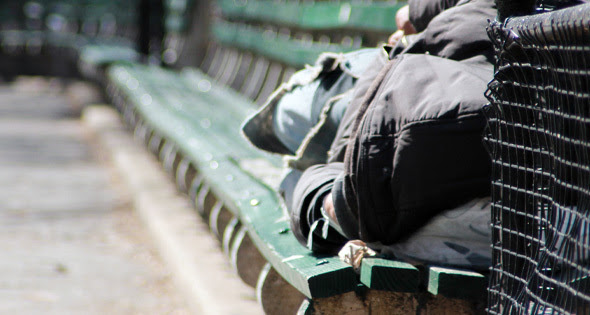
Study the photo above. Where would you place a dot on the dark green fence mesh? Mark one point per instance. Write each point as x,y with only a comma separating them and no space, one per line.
539,139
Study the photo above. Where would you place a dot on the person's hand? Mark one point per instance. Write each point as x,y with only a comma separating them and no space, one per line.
404,26
395,37
329,207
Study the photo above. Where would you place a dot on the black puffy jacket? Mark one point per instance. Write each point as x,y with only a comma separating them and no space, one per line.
415,140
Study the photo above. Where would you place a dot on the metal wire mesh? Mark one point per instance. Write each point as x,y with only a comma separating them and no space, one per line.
551,5
539,139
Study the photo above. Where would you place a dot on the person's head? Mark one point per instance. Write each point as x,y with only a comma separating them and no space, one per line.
404,26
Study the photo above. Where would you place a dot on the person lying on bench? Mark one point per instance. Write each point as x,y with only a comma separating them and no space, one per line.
407,156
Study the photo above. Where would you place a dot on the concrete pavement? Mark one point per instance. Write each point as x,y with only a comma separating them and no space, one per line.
72,235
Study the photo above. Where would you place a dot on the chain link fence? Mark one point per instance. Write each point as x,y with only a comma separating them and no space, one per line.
539,139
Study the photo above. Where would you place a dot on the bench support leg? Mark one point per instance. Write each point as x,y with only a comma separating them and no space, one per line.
219,219
155,143
229,235
275,294
246,258
182,174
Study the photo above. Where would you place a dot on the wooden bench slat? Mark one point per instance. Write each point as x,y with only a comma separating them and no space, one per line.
276,47
198,103
96,54
317,15
389,275
257,205
367,17
260,209
200,81
193,116
217,139
456,283
155,114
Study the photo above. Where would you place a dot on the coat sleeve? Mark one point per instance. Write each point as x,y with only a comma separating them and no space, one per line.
315,184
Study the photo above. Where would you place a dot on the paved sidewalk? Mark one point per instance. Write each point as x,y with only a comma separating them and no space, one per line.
70,241
200,269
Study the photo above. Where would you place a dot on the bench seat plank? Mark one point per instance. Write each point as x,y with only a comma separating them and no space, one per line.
201,113
389,275
456,283
256,204
239,193
98,55
261,211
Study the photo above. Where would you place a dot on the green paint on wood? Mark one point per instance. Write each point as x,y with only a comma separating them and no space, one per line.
316,15
456,283
389,275
154,94
274,46
107,54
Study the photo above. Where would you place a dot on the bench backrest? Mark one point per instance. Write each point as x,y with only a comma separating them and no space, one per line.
253,46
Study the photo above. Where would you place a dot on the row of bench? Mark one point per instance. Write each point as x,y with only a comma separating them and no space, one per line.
183,119
52,37
191,121
191,118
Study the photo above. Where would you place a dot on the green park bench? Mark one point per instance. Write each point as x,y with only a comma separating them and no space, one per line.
55,37
191,120
73,38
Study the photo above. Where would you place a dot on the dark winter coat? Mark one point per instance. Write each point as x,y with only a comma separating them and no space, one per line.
411,139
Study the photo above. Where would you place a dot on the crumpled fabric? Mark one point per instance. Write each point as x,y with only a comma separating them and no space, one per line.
459,237
353,252
304,106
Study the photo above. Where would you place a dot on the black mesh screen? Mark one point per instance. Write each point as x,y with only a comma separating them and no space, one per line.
551,5
539,139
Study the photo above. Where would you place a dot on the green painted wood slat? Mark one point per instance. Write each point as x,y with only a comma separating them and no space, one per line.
294,52
456,283
389,275
190,116
260,210
316,15
257,205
